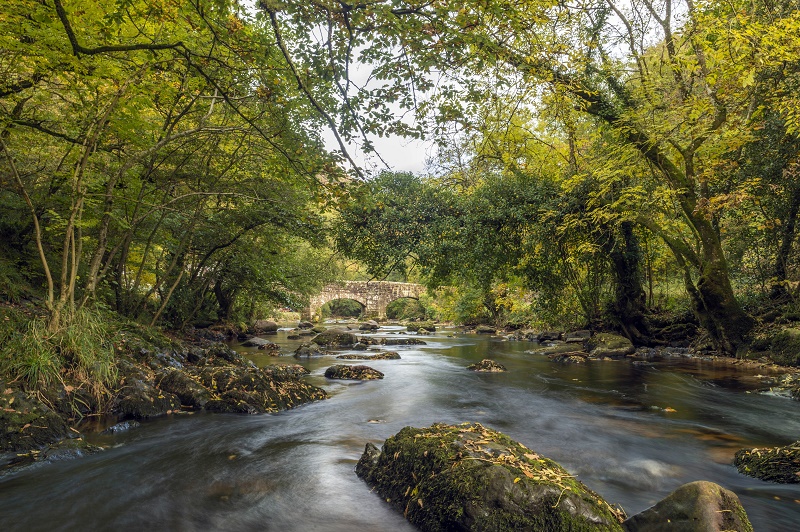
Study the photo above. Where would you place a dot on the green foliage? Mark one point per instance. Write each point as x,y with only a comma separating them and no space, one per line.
81,351
405,309
341,308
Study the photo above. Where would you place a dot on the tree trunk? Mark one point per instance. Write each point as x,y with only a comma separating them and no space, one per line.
629,305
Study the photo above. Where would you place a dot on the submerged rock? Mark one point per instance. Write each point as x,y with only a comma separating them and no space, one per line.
468,477
123,426
698,506
569,358
776,464
357,373
487,365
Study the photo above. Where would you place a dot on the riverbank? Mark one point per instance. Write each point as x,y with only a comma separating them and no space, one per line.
156,375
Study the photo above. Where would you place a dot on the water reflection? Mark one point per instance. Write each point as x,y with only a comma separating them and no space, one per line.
632,433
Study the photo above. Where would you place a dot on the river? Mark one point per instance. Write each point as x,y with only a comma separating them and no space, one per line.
610,423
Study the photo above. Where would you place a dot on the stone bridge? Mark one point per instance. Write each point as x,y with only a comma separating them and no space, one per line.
374,296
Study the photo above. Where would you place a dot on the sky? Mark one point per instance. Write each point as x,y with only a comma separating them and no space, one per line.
402,155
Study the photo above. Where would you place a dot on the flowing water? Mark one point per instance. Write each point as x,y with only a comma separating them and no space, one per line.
610,423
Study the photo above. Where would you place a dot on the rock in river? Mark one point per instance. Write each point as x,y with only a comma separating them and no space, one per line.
488,366
695,507
777,464
468,477
358,373
335,338
610,345
386,355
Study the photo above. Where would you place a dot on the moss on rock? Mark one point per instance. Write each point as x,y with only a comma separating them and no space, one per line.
776,464
610,345
487,366
785,347
696,506
468,477
359,373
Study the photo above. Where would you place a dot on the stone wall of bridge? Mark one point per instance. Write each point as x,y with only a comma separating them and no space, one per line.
374,296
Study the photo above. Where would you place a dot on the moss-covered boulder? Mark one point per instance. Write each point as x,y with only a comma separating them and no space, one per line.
356,373
487,366
695,507
485,329
468,477
286,371
255,390
776,464
424,326
185,385
785,347
335,338
610,345
265,327
309,349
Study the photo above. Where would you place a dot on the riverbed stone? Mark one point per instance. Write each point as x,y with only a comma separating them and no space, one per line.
141,400
262,344
385,355
577,337
309,349
695,507
265,327
305,325
469,477
549,336
286,371
610,345
185,385
400,341
335,338
358,373
485,329
572,357
370,325
773,464
27,424
487,366
424,326
255,390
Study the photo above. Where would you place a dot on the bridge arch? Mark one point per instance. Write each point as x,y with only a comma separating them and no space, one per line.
375,296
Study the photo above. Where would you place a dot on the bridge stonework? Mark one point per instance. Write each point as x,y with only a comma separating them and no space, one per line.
375,296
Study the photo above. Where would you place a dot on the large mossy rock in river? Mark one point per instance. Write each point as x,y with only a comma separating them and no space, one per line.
335,338
468,477
356,373
695,507
777,464
610,345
